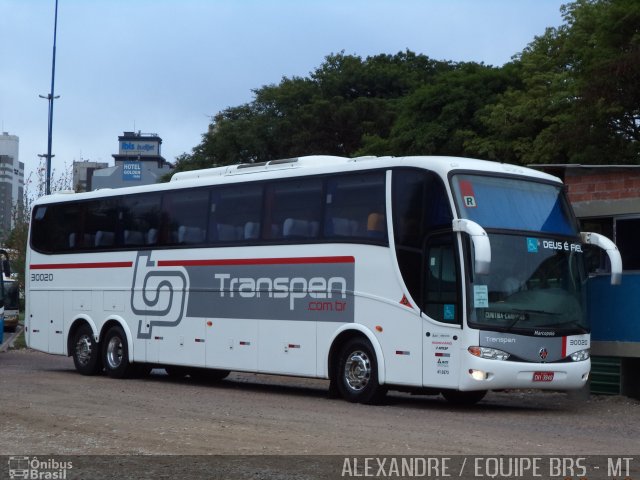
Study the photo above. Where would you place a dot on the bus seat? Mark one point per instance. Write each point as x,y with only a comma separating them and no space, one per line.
104,238
251,230
88,240
133,237
376,225
152,236
314,228
344,227
190,234
294,227
227,232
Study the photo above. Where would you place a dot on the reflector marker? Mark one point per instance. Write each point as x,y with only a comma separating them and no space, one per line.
402,352
405,301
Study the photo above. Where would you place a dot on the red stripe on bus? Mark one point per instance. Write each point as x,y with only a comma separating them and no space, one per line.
65,266
254,261
564,347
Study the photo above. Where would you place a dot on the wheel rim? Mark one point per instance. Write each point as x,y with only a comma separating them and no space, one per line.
114,353
357,370
83,350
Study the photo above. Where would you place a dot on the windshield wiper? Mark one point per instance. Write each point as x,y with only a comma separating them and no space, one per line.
527,310
573,323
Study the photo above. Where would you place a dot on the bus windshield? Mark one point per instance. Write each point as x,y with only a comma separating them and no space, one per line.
537,277
514,204
534,283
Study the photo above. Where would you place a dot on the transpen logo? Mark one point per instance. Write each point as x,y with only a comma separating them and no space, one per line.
314,289
282,287
159,294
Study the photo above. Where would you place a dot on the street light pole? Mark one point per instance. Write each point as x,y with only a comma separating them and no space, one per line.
51,97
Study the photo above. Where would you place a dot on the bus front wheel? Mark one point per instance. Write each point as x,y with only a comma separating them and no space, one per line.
86,352
115,354
357,373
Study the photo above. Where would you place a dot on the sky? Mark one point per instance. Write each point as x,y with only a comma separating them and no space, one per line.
168,66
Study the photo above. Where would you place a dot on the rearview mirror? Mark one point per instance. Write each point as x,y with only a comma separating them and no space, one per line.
480,242
612,251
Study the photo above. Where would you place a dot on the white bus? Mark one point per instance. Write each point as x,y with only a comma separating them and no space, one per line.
425,274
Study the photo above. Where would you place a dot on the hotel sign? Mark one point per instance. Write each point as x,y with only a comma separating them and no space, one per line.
131,171
142,148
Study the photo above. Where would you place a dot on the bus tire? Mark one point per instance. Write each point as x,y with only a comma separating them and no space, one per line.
463,399
115,354
86,352
357,373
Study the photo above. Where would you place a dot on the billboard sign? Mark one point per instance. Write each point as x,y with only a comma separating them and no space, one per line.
139,147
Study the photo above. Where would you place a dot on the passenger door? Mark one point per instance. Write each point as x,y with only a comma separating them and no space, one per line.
442,311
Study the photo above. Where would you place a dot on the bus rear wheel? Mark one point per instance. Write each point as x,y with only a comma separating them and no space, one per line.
115,354
357,373
86,352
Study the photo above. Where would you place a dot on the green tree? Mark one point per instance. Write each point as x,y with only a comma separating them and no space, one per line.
344,101
437,117
579,101
570,96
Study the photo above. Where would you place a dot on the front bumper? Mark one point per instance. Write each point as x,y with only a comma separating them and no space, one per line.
484,374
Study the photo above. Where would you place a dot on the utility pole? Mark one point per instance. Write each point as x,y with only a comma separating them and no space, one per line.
50,97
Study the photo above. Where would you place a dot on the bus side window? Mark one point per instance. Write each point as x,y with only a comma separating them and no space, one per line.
234,213
140,217
185,214
293,209
355,207
420,206
100,224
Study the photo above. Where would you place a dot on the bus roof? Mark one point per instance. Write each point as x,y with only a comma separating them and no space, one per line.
312,165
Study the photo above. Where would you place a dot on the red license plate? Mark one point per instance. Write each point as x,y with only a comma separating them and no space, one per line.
542,376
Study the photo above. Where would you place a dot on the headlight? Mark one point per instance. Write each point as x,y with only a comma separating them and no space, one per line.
490,353
580,355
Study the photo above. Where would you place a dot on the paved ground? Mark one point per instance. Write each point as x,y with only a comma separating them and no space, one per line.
46,408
